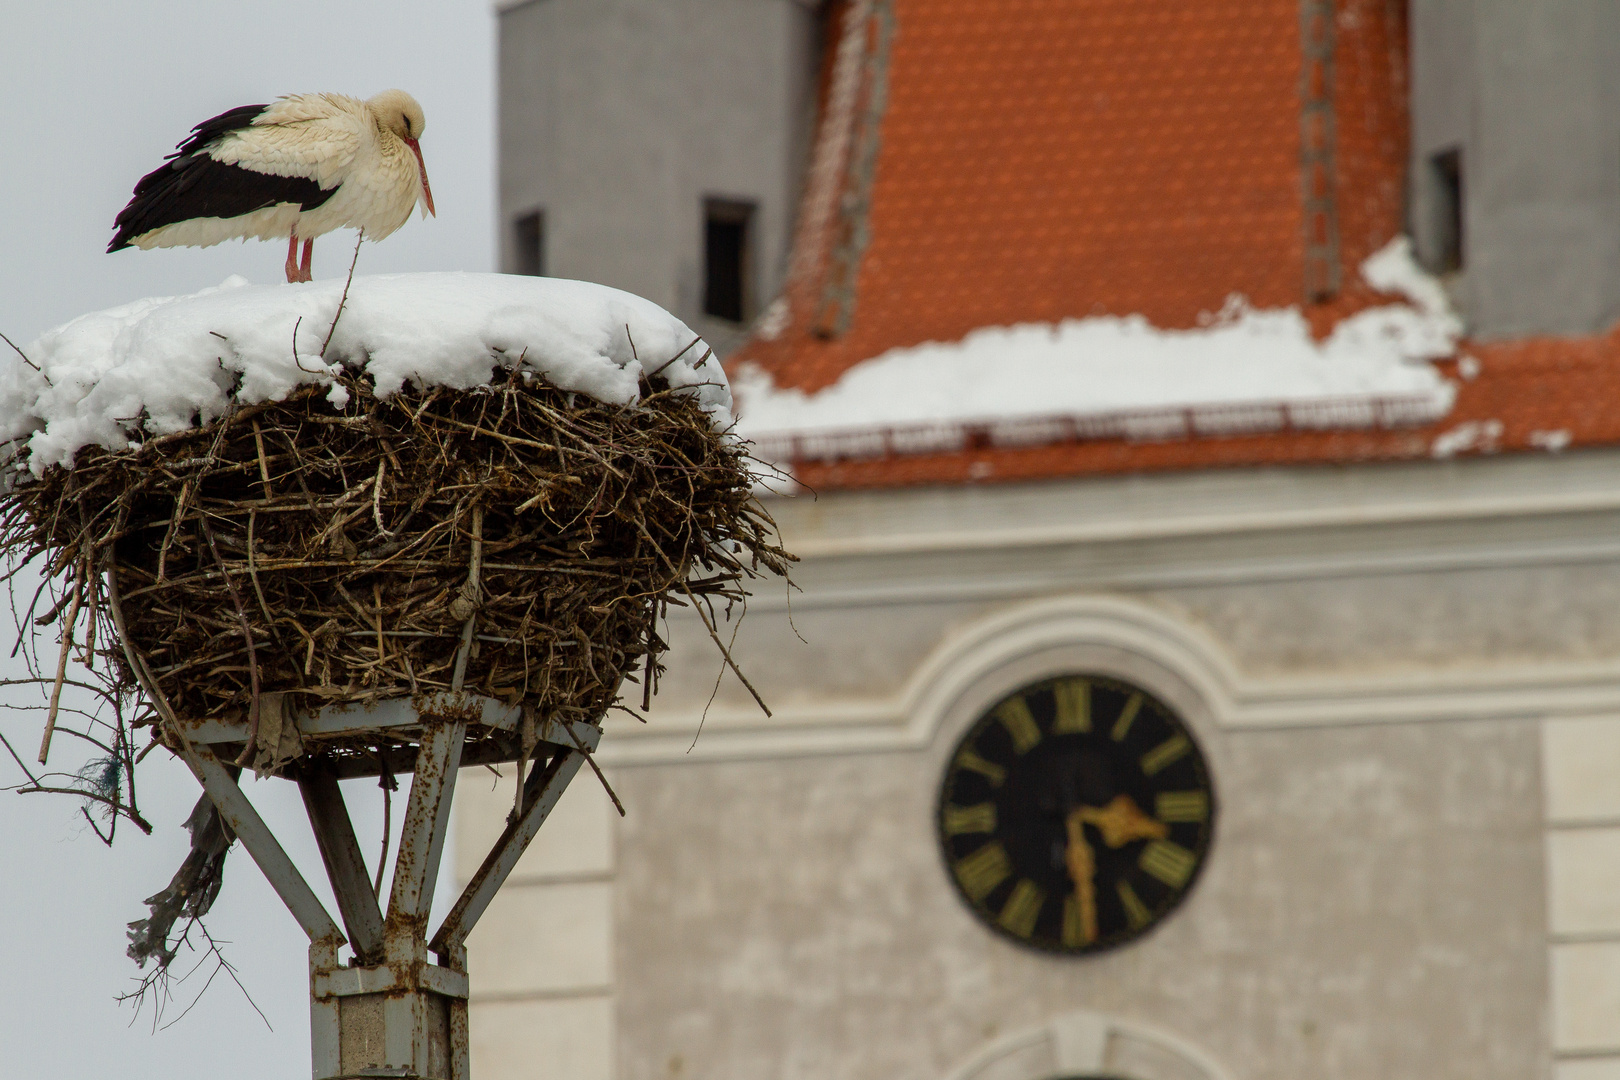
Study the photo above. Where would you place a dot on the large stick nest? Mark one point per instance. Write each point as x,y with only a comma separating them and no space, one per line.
514,541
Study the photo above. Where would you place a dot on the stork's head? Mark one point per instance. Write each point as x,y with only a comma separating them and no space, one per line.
400,114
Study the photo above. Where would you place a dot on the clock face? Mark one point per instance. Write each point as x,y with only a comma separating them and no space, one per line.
1076,814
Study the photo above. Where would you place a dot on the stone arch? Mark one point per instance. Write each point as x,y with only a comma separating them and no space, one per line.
1110,636
1084,1045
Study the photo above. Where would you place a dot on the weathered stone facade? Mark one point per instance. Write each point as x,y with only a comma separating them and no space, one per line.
1406,680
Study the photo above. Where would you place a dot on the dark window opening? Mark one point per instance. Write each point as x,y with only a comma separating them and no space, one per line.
529,244
1446,210
726,269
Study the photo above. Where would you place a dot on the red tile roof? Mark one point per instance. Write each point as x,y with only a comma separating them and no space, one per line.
1035,161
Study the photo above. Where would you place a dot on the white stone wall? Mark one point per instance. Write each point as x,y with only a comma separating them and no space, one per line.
1581,765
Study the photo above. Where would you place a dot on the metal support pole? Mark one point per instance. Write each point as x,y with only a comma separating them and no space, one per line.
417,1025
345,866
427,816
460,1022
325,1014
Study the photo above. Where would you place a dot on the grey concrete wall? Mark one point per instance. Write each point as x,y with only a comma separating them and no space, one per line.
618,117
1372,909
1528,92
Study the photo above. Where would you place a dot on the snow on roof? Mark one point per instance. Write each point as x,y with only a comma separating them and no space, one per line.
167,363
1107,364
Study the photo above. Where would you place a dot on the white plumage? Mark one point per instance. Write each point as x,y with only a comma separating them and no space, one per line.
298,168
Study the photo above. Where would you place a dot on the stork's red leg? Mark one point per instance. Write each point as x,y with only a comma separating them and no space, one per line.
303,270
292,258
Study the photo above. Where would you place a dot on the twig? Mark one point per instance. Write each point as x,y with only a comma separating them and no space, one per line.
725,652
22,354
590,759
253,576
300,364
376,499
15,757
386,781
231,971
140,822
719,677
382,644
676,357
174,523
247,635
80,582
652,659
473,596
680,581
344,298
264,465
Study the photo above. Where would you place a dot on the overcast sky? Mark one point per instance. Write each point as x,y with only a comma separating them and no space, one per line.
93,93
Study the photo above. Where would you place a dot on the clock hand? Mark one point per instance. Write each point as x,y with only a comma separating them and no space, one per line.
1120,822
1082,862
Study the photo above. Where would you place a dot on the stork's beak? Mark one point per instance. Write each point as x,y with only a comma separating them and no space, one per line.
427,191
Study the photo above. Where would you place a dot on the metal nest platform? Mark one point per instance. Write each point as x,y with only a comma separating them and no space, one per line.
482,568
400,1008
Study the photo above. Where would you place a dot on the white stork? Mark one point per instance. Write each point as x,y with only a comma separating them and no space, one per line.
299,168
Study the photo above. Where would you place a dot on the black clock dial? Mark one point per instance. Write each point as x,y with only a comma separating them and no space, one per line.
1076,813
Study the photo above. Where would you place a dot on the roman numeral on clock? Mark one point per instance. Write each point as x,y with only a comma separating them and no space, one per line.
1127,717
1173,807
1166,754
1023,908
1071,699
1136,912
1015,716
983,870
1169,862
979,818
968,758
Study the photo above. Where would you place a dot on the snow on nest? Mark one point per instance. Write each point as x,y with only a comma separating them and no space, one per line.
168,363
1110,364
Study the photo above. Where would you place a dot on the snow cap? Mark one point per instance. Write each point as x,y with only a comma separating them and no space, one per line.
164,364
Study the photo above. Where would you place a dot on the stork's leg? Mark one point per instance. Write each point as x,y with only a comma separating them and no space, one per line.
303,270
292,258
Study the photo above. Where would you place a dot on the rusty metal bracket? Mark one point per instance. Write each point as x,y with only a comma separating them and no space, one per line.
261,843
427,819
351,981
389,714
345,866
541,791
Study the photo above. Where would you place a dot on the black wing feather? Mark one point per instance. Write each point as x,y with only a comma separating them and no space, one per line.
190,184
